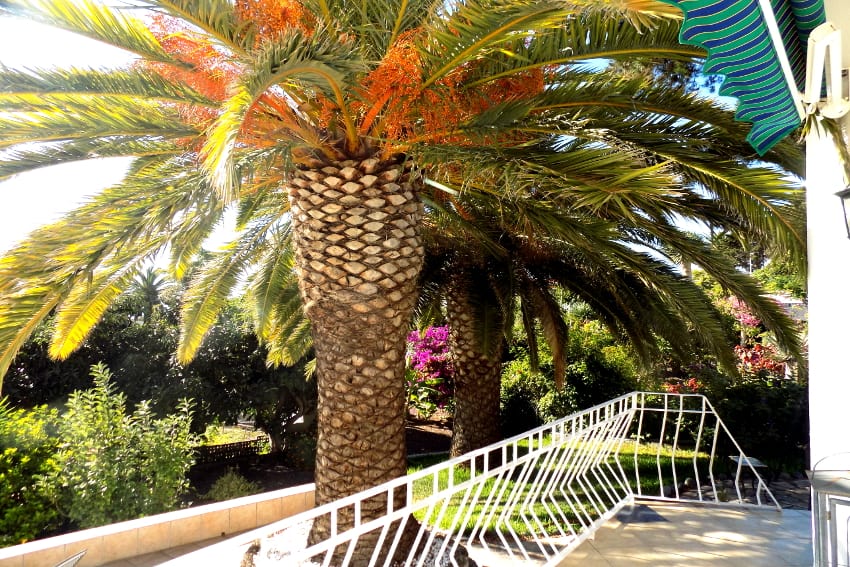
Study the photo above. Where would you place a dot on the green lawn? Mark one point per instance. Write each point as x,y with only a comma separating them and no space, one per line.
444,514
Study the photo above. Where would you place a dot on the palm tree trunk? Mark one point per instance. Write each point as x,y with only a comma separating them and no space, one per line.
358,256
477,374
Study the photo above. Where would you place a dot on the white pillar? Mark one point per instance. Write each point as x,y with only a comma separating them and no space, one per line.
829,283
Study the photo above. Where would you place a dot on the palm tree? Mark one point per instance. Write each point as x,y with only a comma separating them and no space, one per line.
324,122
482,270
149,285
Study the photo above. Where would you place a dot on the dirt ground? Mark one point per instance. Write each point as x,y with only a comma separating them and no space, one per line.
423,436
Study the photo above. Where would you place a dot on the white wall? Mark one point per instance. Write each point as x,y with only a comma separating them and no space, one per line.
829,284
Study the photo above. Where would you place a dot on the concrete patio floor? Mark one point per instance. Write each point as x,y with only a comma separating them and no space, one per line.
668,535
651,535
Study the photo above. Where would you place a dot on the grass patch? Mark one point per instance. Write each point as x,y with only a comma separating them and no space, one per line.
501,495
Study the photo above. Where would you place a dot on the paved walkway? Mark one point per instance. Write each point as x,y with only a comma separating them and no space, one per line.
699,536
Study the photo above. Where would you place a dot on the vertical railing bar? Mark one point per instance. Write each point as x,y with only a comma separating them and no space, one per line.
638,441
328,556
711,459
738,476
489,508
435,526
579,470
613,446
467,517
570,448
376,553
532,496
660,445
423,528
396,539
675,449
741,452
349,553
510,503
572,478
697,444
595,459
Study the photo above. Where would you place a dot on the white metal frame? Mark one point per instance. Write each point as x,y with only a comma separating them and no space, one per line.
824,53
533,498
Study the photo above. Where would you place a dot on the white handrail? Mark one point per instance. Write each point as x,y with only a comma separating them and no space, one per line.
533,498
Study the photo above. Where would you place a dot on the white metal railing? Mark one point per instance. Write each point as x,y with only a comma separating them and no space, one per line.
533,498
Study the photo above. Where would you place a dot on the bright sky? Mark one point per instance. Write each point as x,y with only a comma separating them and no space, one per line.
30,200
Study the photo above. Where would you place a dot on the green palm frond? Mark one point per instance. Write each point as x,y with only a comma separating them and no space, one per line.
49,87
271,288
207,293
376,24
20,160
595,37
278,311
745,288
81,120
548,312
19,317
95,21
478,28
85,305
288,344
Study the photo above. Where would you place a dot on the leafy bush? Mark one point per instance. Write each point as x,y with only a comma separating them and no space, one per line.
112,466
769,419
231,485
600,369
300,450
520,393
27,447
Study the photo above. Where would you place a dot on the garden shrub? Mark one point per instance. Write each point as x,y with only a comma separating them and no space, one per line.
112,466
521,389
598,373
769,419
27,447
300,450
231,485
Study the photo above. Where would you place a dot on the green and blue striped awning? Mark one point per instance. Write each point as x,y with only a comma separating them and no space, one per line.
736,36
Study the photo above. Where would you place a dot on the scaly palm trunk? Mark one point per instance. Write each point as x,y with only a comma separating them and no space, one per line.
477,375
358,256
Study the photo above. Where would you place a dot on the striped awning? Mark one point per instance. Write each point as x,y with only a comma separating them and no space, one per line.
737,36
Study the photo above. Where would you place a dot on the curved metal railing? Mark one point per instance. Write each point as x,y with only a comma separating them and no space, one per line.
532,498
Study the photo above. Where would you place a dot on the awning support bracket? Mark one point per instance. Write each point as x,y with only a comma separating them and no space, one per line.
824,54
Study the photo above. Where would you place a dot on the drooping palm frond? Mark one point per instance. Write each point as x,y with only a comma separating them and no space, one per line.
584,44
209,289
375,24
85,305
21,160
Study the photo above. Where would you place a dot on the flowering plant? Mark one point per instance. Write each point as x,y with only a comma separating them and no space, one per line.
428,381
759,360
741,312
678,386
